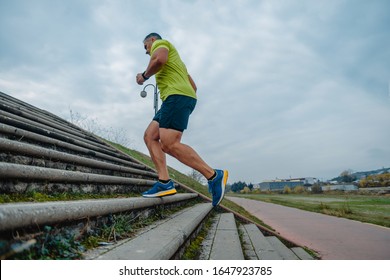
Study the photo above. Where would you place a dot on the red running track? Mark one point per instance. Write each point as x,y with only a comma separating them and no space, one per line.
331,237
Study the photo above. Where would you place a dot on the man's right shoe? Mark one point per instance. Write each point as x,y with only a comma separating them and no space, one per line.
217,186
159,189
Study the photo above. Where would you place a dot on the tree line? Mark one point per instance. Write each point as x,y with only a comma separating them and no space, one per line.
239,186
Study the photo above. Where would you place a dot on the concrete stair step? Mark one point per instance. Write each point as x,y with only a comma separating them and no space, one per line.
27,172
162,241
226,244
50,128
247,246
22,178
282,249
26,149
301,253
73,147
259,244
18,215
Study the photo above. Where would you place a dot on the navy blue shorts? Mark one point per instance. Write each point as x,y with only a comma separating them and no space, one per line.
175,112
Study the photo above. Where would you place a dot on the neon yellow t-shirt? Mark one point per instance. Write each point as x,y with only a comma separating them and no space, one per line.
173,76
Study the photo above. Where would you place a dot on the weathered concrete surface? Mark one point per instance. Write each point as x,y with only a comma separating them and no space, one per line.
161,242
333,238
16,215
263,249
226,244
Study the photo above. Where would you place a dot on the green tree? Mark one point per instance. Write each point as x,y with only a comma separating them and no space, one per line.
316,188
347,177
238,186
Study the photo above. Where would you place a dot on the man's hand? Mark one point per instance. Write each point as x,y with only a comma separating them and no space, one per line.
140,80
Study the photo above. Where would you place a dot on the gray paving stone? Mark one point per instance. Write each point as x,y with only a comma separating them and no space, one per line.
227,245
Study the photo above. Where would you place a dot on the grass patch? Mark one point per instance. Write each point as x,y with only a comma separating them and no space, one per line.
193,251
364,208
123,226
342,210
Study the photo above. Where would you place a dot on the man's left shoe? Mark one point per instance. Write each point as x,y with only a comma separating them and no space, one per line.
159,189
217,186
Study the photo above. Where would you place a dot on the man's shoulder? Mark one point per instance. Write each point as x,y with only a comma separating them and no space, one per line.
162,44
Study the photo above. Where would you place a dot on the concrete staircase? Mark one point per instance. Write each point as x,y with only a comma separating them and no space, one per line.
44,155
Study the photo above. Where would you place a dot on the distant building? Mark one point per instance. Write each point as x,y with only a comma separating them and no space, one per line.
339,187
280,184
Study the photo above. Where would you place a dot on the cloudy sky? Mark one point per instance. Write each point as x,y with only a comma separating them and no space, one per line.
285,88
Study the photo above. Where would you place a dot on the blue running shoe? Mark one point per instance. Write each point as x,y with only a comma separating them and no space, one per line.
217,186
159,189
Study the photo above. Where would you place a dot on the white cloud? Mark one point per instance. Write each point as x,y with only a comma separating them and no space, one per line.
285,88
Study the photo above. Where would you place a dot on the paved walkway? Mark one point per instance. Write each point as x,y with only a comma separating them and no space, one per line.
331,237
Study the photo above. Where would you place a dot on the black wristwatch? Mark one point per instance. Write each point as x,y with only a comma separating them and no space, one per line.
143,76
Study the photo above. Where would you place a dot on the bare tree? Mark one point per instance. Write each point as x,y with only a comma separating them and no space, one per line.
92,125
197,176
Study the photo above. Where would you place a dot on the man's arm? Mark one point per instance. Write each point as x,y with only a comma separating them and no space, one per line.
157,61
192,82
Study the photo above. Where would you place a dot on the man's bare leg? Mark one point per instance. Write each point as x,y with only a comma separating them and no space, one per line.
152,141
161,141
170,144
